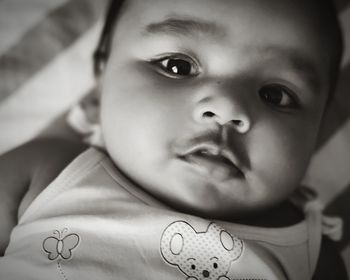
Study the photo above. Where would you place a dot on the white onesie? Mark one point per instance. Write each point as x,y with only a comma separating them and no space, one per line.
92,223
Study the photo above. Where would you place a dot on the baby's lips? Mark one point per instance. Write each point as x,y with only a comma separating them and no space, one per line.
211,155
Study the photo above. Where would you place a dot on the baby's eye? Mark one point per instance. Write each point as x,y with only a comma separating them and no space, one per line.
278,95
177,66
215,265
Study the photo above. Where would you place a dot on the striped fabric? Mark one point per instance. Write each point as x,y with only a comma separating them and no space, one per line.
45,66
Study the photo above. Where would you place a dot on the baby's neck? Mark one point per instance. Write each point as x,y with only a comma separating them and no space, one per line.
282,215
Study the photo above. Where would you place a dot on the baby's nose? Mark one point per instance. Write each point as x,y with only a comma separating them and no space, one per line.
224,111
206,273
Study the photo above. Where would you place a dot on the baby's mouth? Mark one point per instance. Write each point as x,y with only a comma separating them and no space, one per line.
212,160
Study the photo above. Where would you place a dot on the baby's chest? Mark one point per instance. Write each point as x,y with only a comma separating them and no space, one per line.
140,244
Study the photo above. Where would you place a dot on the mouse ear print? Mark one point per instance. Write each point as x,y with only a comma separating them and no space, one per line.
173,240
227,240
214,229
176,244
232,244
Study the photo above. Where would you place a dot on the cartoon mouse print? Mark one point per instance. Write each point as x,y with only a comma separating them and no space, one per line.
200,255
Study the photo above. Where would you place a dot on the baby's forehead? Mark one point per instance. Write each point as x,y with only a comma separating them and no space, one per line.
254,6
248,15
303,14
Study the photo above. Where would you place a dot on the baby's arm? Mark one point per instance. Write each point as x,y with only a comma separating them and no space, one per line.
25,172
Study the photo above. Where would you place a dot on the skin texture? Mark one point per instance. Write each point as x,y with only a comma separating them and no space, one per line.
150,115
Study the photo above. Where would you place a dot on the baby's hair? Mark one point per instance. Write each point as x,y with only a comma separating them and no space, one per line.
328,15
102,51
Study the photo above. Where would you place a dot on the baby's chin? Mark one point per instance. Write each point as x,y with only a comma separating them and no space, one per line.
232,202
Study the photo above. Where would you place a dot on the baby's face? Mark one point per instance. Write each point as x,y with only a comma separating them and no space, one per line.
214,106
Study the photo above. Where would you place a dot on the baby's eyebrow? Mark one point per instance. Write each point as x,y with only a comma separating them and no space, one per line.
299,62
182,26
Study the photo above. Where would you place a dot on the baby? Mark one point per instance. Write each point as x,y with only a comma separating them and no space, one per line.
209,113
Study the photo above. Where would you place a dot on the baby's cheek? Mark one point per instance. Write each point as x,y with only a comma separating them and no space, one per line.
274,173
279,154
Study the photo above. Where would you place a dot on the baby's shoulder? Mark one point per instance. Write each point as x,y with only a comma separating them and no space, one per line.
24,172
46,158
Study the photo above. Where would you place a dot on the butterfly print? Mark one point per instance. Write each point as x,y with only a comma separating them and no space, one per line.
60,245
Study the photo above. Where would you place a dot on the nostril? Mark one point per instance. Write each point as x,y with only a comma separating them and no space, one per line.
206,273
238,123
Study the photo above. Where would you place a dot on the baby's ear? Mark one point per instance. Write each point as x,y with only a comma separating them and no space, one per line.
84,118
232,244
90,104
